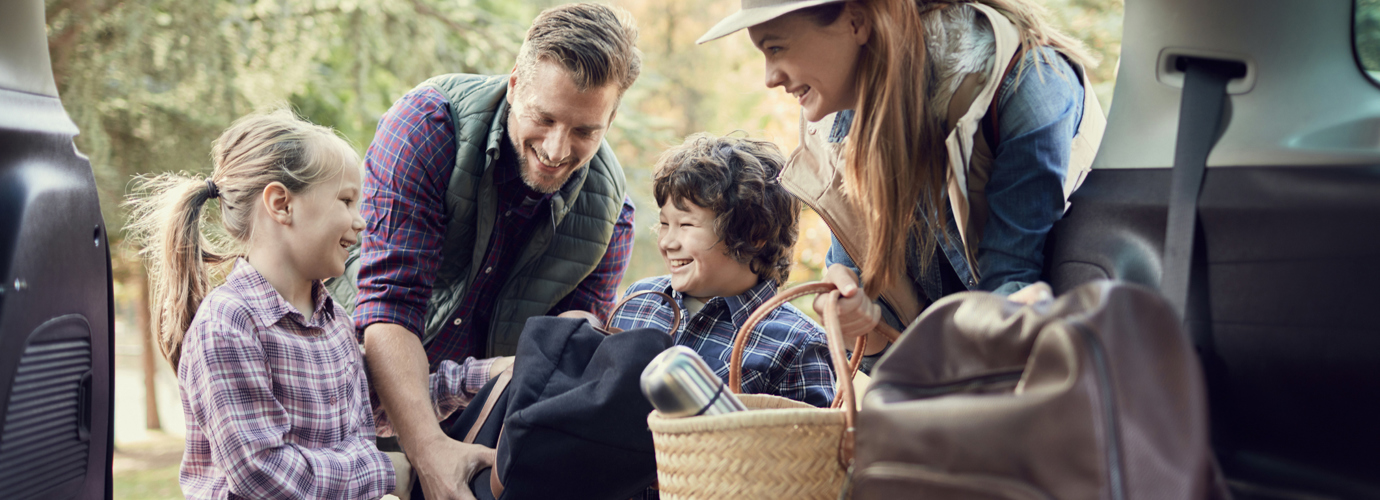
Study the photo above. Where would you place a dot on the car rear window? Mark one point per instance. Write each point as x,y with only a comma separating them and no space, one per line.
1367,31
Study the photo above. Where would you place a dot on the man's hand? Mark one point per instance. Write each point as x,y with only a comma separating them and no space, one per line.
858,315
398,368
445,467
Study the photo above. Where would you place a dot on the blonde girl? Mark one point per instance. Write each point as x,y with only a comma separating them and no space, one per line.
272,381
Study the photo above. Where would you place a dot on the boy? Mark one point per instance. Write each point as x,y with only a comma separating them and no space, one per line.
726,232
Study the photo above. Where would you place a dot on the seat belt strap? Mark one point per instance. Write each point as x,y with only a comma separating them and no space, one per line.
1200,116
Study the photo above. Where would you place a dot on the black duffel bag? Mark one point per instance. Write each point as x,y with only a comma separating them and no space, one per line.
574,419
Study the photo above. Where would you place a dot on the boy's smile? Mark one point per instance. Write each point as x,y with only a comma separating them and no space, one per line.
695,256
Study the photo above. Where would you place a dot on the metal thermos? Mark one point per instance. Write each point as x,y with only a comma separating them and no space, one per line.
679,384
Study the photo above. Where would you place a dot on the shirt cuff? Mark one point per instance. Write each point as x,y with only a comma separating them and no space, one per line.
477,374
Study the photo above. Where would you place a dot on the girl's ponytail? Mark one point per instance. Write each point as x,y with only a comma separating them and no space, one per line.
167,222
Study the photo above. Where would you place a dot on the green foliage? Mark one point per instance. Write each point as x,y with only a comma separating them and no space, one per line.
151,83
153,484
1368,34
1098,24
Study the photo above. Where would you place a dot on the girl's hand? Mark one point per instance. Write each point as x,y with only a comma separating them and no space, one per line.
858,315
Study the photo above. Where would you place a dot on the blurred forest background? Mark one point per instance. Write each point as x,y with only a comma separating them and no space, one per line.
152,82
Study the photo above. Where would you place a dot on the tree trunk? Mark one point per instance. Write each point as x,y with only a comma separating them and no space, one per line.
151,355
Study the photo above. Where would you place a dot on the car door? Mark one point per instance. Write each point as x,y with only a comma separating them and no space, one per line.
1286,281
56,356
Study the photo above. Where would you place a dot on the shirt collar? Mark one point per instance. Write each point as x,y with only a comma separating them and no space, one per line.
739,306
842,122
267,306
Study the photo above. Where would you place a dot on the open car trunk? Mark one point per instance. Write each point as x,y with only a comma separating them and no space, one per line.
1285,284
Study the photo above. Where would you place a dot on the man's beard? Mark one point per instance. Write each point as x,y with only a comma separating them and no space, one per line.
544,184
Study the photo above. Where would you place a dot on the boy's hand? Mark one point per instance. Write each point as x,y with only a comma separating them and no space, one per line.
858,315
582,314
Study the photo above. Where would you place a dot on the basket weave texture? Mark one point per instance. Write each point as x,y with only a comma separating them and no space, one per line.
778,449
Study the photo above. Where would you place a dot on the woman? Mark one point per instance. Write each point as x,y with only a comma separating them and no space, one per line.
959,129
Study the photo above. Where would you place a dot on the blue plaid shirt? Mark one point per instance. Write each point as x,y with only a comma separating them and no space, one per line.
786,355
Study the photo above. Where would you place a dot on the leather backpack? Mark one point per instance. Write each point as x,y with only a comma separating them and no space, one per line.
1098,395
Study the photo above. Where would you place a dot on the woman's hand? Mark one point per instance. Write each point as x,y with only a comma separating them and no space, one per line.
858,315
1032,293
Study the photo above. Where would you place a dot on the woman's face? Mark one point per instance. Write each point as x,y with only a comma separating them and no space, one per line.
814,63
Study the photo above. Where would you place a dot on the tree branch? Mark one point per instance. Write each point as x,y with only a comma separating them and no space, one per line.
427,10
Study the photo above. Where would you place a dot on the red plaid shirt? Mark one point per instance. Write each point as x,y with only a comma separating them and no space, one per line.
408,168
276,403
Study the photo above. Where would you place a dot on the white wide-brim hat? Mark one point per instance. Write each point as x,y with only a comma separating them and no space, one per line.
755,12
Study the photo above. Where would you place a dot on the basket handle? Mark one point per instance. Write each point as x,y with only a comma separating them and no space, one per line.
735,366
834,339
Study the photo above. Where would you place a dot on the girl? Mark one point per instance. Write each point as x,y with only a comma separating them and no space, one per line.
958,129
272,380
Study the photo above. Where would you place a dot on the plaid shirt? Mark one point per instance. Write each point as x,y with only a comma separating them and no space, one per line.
276,404
786,356
408,168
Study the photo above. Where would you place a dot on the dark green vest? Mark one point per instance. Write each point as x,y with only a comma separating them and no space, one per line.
563,249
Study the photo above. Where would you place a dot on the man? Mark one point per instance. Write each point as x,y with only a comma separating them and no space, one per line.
490,200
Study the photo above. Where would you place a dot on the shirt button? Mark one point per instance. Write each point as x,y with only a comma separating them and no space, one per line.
507,213
457,321
812,130
332,400
489,269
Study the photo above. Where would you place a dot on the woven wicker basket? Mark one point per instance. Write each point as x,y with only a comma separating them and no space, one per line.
779,448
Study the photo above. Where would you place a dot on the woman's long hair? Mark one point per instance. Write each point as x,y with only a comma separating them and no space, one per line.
167,210
896,160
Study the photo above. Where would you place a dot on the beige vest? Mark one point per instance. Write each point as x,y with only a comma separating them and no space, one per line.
815,171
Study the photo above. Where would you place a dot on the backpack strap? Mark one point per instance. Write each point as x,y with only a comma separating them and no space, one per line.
499,385
990,122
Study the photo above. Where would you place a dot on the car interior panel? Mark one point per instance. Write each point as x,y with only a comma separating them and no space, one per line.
1280,302
56,314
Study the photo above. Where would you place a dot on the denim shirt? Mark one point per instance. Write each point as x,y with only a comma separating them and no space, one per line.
1039,116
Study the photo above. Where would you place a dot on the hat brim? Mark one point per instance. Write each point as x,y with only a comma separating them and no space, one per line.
747,18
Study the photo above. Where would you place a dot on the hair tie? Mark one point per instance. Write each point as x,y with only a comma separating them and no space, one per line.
215,191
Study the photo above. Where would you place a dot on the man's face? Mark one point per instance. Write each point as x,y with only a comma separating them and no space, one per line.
554,127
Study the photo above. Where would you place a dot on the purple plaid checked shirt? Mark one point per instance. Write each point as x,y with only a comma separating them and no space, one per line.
276,403
408,168
786,356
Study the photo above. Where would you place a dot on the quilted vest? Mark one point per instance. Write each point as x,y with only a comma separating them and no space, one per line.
561,251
